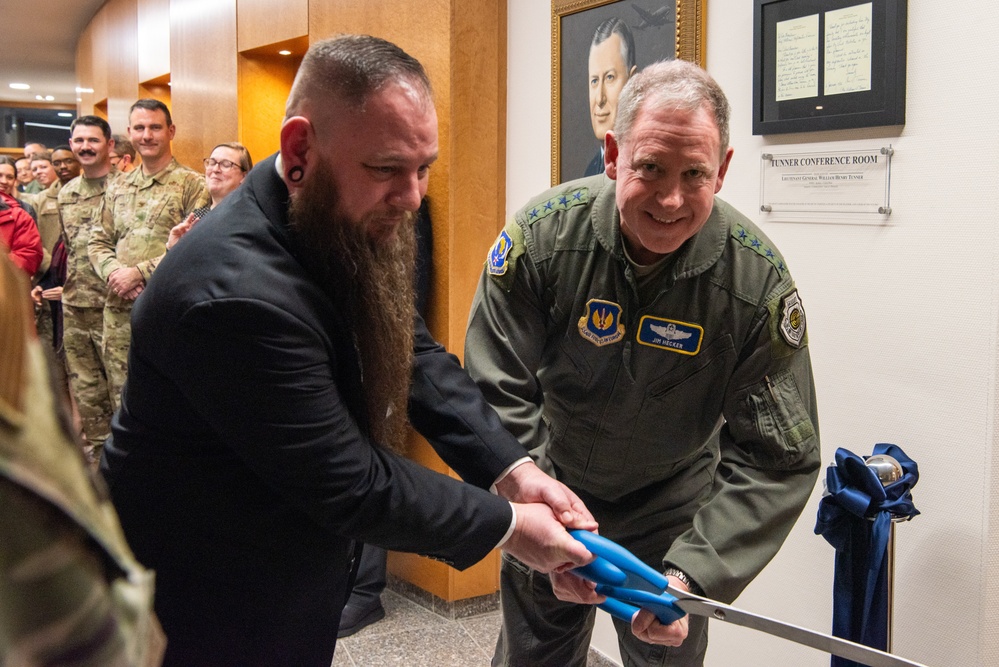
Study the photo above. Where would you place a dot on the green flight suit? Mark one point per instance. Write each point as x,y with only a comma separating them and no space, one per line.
680,406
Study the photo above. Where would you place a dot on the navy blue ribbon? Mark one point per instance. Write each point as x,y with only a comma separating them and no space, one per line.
855,517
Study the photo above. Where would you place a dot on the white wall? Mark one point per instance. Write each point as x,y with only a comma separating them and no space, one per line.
902,318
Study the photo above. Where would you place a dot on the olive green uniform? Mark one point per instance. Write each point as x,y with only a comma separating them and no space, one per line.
678,402
83,299
71,591
131,230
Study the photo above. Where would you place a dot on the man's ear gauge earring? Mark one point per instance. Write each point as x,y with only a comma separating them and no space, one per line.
295,174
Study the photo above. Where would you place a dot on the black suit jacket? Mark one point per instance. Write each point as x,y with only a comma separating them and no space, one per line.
240,462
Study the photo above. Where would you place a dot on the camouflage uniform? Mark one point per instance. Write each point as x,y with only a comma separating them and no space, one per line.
47,217
130,230
83,298
71,592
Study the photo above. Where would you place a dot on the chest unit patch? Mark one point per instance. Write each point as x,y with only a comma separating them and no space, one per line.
601,323
672,335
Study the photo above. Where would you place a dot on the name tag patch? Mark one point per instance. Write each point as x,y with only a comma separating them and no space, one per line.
673,335
601,324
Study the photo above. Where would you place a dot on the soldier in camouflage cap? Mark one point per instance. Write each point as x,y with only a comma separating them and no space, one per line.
84,292
71,591
134,220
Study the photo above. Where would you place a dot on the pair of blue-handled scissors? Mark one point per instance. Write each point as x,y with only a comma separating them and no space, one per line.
630,584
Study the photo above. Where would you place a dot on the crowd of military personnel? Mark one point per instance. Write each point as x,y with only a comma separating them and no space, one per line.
83,226
102,208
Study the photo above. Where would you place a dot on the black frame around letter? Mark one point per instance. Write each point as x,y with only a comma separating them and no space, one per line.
883,104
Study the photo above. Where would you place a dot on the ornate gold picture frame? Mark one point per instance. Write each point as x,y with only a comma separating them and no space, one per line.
585,31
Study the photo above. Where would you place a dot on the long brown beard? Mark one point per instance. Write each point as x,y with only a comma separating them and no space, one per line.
373,285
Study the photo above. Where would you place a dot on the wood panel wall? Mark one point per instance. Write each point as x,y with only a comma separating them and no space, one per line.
203,74
261,23
228,82
153,22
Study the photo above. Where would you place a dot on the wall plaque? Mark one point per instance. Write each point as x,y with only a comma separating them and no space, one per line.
827,186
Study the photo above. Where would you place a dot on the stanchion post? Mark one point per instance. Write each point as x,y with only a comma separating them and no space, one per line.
888,470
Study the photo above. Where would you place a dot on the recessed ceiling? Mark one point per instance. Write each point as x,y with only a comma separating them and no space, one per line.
39,47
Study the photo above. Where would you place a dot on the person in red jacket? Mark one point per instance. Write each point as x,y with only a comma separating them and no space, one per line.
19,235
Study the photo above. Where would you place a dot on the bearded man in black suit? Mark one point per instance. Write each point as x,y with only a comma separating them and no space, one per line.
273,367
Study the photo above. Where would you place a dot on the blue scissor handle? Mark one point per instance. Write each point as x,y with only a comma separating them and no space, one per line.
618,609
616,566
623,578
661,605
602,571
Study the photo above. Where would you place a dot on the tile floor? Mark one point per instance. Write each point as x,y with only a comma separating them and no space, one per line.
413,636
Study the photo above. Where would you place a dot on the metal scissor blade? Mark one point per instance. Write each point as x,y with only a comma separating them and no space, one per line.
699,606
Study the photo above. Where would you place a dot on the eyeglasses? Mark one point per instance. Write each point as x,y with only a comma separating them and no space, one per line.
114,160
224,165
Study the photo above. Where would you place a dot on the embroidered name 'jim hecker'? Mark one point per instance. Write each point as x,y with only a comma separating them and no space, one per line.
671,335
601,323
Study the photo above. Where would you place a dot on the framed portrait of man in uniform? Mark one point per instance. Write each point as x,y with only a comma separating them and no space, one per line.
596,46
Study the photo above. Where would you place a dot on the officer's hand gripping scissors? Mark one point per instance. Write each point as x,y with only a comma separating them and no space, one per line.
630,584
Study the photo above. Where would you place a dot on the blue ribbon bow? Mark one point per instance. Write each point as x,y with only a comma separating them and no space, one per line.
855,518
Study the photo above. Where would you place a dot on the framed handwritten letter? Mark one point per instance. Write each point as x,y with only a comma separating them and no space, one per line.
596,46
828,64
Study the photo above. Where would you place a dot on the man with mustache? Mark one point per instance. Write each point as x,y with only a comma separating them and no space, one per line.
131,228
83,293
276,359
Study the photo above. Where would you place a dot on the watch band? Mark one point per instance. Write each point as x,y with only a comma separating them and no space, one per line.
682,576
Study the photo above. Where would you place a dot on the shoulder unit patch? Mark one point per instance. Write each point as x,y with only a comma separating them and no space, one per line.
560,202
792,320
755,243
501,263
497,263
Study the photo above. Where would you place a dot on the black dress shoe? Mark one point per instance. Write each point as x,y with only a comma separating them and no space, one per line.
355,618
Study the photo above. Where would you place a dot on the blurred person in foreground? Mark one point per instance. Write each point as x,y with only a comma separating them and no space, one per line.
225,170
276,358
646,341
71,592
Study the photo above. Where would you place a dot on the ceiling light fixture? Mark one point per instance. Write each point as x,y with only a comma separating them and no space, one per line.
285,52
84,90
20,86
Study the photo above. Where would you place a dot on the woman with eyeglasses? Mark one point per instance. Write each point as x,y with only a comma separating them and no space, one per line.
224,171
